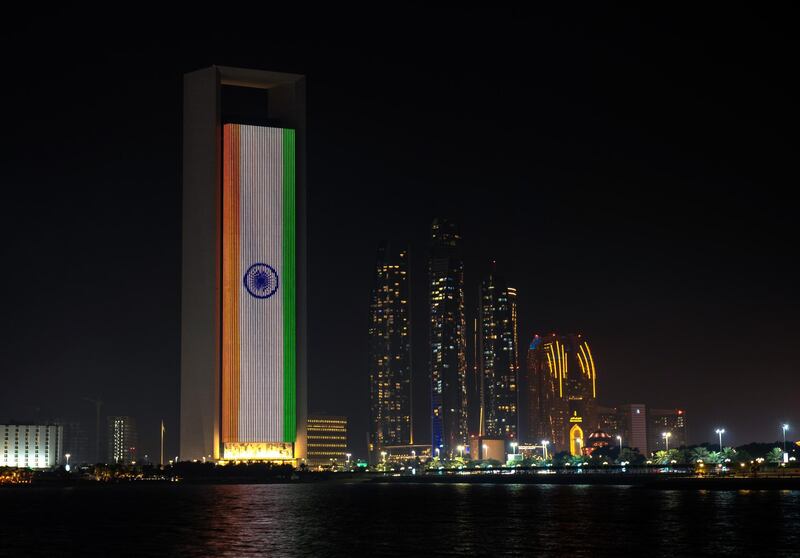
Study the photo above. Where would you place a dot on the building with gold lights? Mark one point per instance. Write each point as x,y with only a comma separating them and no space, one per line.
327,440
390,353
561,392
448,345
498,356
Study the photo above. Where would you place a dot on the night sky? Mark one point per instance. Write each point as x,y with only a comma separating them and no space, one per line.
630,174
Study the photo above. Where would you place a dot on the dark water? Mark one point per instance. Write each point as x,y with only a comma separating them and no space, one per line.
363,520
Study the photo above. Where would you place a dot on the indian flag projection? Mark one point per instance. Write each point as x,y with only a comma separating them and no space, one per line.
258,298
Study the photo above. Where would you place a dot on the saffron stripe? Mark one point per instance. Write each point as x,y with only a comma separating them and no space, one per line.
230,285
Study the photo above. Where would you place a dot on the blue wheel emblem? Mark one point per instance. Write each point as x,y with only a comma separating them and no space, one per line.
261,280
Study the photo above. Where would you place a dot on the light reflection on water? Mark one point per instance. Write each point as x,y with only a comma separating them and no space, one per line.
395,520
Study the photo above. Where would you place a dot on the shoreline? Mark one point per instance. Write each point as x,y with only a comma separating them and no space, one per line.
634,480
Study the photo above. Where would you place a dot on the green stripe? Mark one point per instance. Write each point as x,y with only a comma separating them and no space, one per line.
288,290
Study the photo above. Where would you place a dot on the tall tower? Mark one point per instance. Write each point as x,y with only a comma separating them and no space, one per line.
562,383
499,358
448,362
122,439
390,352
243,292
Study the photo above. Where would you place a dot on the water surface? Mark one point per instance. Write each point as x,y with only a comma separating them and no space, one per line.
365,520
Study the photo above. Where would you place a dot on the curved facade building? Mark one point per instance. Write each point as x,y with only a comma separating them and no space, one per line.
561,391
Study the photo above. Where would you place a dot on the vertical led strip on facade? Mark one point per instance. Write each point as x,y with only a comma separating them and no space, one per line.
258,300
288,294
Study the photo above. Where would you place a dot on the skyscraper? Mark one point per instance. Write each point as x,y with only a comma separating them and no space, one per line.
390,352
448,362
122,439
243,328
499,358
562,384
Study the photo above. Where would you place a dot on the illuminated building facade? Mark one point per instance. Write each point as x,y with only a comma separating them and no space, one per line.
122,439
390,353
499,359
660,421
34,446
562,391
642,427
327,440
487,447
243,327
410,452
448,359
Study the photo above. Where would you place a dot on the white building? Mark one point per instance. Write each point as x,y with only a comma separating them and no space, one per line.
35,446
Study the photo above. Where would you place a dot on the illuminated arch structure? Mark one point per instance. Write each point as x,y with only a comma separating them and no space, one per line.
561,391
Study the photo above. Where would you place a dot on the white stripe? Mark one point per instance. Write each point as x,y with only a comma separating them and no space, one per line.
260,320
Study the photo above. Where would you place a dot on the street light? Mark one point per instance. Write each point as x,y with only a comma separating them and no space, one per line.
720,432
67,455
619,439
437,453
514,448
785,427
348,455
666,436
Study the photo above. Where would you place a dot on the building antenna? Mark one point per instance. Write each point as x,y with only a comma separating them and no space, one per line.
162,443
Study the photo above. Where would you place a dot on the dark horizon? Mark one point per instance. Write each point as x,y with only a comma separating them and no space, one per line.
626,173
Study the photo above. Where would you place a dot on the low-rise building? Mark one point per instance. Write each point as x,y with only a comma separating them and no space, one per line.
327,440
34,446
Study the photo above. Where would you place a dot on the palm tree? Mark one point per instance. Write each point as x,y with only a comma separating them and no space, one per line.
701,455
661,457
775,455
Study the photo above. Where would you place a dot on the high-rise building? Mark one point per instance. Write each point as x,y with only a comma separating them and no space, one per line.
448,359
243,326
643,428
562,391
327,440
390,353
499,359
610,419
34,446
122,439
665,421
634,421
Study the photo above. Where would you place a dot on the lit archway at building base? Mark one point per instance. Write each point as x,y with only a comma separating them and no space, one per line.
576,440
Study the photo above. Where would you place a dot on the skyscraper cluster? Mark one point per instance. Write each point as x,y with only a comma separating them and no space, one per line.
492,394
483,400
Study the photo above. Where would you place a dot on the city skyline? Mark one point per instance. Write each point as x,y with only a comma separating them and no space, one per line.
642,209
